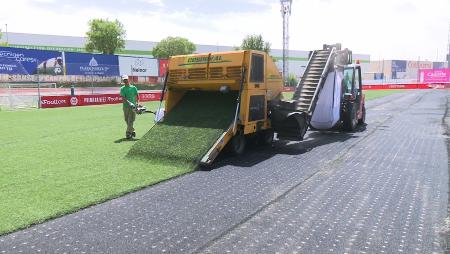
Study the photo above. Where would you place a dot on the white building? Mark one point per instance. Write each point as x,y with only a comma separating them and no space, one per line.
297,58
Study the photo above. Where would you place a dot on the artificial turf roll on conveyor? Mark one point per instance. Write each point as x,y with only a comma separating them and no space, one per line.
189,130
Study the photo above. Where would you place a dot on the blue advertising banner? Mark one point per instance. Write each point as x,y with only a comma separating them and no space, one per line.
11,66
18,61
91,64
398,66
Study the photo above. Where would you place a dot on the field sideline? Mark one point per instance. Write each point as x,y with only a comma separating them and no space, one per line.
57,161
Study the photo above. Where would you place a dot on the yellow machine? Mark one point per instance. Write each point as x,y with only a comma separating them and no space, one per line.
260,109
251,73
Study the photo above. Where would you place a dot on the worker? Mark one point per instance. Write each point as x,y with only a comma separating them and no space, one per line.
130,99
347,83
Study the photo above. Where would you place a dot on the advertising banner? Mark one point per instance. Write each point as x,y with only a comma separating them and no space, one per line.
138,66
55,101
11,66
406,86
163,65
153,96
17,61
95,99
398,69
435,75
419,65
91,64
90,100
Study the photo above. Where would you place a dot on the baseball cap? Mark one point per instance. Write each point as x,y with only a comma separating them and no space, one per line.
124,77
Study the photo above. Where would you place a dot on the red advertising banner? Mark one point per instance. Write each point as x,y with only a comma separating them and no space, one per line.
95,99
406,86
435,75
156,96
55,101
89,100
163,65
101,99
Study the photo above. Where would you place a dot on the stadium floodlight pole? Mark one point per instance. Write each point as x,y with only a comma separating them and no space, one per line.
285,13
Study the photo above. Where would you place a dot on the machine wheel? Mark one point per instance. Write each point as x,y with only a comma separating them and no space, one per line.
304,127
350,118
363,118
237,144
266,137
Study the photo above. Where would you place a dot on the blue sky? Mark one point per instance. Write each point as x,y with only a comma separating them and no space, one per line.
389,29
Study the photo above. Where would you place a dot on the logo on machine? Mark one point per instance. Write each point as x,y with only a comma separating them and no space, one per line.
204,60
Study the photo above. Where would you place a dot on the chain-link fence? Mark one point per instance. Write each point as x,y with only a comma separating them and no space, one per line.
26,74
25,91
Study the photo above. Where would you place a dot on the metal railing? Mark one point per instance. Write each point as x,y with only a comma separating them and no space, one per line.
322,76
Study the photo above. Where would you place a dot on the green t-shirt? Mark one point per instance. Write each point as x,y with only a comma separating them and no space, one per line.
130,93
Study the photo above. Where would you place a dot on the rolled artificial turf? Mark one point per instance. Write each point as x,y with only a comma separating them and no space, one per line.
189,130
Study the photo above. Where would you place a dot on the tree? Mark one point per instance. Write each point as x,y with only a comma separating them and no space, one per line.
105,36
292,80
172,46
255,42
2,43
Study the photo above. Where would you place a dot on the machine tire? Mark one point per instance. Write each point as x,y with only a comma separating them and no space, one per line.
237,144
266,137
363,119
350,120
304,128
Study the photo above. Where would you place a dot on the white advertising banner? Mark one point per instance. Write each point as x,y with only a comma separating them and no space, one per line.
138,66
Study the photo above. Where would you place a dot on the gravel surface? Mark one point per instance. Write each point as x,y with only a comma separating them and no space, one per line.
383,189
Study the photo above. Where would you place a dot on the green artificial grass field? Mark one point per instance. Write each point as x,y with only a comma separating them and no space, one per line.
373,94
56,161
189,130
